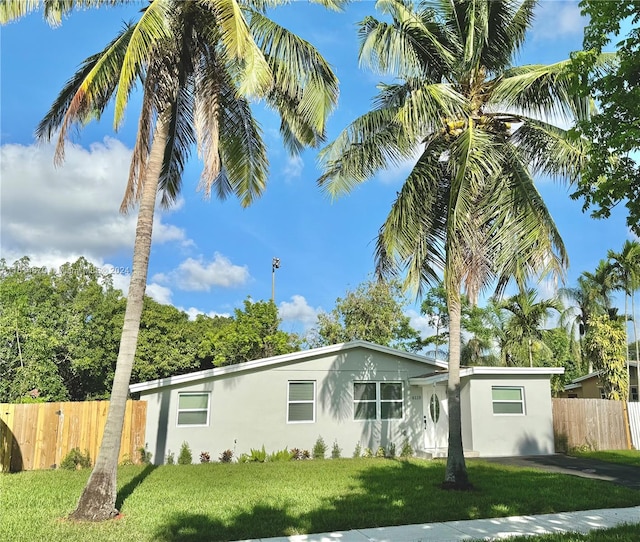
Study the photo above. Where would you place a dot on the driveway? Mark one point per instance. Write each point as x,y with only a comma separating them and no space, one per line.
623,475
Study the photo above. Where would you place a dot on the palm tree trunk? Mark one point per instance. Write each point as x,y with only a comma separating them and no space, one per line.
626,339
456,474
98,499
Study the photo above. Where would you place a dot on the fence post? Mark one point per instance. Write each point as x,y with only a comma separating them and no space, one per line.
627,427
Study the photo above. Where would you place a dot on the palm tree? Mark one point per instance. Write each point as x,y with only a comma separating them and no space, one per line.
625,266
476,130
585,301
528,317
198,64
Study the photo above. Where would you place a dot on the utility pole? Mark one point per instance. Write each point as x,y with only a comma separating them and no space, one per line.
275,264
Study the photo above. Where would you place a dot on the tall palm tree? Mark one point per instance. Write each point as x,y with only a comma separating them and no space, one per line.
198,63
476,129
625,266
528,317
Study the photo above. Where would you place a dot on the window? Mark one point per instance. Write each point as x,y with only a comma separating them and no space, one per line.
634,393
377,401
507,400
193,409
301,402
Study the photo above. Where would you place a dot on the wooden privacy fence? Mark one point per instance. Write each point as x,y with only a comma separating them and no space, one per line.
40,435
599,424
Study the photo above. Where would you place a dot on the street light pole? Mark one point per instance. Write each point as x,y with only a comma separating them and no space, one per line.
275,264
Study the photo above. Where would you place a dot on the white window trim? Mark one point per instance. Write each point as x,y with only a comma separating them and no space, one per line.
378,400
180,394
520,401
313,401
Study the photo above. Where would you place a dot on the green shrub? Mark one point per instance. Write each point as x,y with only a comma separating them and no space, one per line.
336,451
367,453
357,453
226,456
255,456
280,455
171,458
407,450
205,457
75,459
185,457
380,452
144,455
319,449
391,451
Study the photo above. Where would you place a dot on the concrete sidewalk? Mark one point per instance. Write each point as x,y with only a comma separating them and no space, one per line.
479,529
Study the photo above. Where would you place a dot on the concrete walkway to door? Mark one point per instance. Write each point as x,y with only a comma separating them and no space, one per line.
622,475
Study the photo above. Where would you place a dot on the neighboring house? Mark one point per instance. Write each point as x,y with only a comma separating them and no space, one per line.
590,387
355,392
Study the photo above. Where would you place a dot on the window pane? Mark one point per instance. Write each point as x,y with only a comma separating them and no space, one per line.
301,412
506,394
192,418
199,400
364,392
365,411
507,408
300,391
391,410
391,391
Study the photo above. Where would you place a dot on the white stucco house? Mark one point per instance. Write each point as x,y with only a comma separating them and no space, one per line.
349,393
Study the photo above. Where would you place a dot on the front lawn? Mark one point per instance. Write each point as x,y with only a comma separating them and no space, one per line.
624,457
234,501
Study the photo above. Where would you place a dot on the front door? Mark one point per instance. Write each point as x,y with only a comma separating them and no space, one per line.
435,418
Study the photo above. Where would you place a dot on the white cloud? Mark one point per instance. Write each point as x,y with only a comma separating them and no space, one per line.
556,19
298,310
193,312
198,275
420,323
293,167
57,213
159,293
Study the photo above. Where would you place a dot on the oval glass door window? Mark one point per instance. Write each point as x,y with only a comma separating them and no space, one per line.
434,408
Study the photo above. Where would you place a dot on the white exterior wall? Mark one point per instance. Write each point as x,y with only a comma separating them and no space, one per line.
249,409
510,434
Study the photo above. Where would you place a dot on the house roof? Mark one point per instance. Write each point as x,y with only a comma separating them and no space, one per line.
479,370
576,382
284,359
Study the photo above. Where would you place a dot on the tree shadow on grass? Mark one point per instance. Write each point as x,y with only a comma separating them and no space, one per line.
185,527
127,489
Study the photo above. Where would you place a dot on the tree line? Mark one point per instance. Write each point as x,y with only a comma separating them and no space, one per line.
60,331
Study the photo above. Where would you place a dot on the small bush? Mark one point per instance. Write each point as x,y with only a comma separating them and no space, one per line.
380,452
319,449
75,459
407,450
336,451
367,453
185,457
256,456
298,455
391,451
280,455
171,458
357,453
226,456
205,457
144,455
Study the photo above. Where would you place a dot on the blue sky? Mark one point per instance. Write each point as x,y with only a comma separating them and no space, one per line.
207,255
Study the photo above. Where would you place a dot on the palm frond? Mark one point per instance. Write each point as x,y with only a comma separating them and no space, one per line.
370,143
54,10
300,75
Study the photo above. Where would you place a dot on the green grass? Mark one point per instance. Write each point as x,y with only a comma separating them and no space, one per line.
624,457
230,502
624,533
